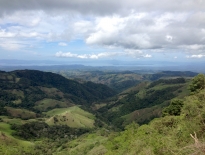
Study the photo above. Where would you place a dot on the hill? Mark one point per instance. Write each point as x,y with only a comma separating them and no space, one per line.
37,105
143,102
179,133
30,89
42,116
122,80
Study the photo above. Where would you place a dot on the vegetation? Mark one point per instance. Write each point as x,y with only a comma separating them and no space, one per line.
198,83
174,108
72,117
133,105
41,116
24,88
121,80
180,135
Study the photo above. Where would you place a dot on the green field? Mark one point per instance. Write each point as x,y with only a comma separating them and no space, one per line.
72,116
46,104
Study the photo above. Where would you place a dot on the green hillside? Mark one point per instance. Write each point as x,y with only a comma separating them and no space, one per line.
72,117
182,134
121,80
42,91
174,134
143,102
39,116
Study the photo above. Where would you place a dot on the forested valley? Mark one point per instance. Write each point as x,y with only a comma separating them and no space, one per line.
95,112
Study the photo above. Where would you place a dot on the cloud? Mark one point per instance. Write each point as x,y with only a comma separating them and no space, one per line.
147,56
62,44
196,56
101,7
127,53
134,27
11,45
4,34
148,31
85,56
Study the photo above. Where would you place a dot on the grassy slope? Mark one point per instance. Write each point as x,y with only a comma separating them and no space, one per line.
73,117
46,104
20,113
10,145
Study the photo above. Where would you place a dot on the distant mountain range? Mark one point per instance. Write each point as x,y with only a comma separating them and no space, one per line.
45,65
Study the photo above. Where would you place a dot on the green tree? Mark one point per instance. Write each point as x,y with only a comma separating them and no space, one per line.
198,83
174,108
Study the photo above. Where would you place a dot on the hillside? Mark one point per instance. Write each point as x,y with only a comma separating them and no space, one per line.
143,102
41,116
30,88
38,105
180,133
121,80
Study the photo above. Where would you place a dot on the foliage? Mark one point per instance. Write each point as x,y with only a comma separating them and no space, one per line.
180,132
169,135
147,97
25,88
197,83
36,130
88,92
174,108
169,74
167,81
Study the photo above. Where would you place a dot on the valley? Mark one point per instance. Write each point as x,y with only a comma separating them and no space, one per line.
99,112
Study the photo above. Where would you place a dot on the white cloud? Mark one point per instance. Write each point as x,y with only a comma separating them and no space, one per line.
62,44
4,34
147,56
11,46
127,53
68,54
134,27
133,53
147,31
194,47
196,56
86,56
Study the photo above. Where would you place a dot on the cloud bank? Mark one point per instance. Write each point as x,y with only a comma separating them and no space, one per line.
147,26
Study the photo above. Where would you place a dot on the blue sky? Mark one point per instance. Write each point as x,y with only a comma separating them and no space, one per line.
147,30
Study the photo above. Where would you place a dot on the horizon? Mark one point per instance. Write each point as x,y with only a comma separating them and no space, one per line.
45,65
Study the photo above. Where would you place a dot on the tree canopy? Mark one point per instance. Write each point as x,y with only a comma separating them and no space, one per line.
198,83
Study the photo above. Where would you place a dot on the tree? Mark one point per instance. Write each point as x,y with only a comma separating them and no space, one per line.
198,83
174,108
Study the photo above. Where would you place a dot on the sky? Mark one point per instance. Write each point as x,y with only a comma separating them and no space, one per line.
131,30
